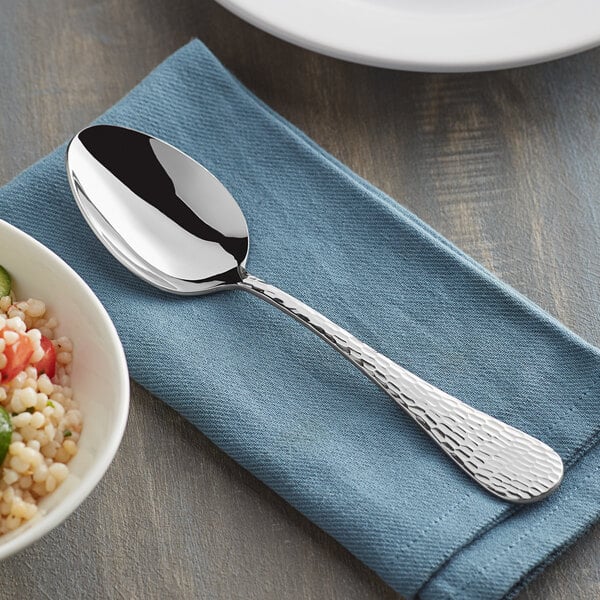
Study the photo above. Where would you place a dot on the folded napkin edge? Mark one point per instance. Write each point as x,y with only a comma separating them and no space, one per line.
584,513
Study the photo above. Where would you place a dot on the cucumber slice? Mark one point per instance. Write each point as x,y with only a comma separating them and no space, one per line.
5,282
6,429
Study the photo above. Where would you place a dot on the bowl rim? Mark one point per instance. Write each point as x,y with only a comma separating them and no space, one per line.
96,471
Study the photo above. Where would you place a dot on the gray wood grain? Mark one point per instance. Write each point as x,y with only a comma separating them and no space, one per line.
504,164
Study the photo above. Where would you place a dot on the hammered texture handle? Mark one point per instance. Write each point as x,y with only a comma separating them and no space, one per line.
505,461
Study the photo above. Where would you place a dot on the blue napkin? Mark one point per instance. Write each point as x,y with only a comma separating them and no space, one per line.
289,408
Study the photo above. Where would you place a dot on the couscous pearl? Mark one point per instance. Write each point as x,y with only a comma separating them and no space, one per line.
70,446
17,324
31,510
42,402
37,355
37,420
22,510
17,405
10,337
58,412
64,343
14,313
62,456
39,488
49,450
27,396
19,380
40,472
35,336
12,522
28,433
73,418
10,476
18,464
39,437
45,385
14,510
16,447
28,455
34,444
59,471
57,397
21,420
30,382
63,358
50,483
25,482
35,308
50,430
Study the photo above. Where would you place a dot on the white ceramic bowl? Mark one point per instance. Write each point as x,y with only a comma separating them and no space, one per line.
99,379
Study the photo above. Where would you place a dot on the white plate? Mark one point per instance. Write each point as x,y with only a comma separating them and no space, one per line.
431,35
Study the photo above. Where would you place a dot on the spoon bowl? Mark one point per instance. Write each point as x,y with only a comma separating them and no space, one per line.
172,223
163,215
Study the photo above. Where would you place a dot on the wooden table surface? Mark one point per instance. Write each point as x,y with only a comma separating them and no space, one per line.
505,164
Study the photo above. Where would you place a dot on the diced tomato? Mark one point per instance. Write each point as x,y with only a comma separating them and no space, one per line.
47,364
17,357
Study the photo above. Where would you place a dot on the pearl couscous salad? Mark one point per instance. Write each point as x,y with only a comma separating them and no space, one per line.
40,421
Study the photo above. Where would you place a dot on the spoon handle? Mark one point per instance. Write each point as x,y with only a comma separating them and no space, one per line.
505,461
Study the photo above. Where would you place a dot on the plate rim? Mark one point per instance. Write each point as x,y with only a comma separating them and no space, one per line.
496,56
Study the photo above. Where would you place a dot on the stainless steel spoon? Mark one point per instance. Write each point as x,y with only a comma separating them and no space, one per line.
172,223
